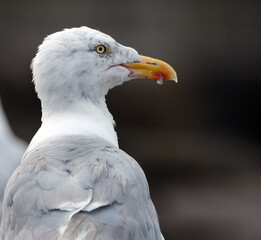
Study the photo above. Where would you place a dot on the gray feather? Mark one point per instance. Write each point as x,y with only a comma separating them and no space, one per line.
76,187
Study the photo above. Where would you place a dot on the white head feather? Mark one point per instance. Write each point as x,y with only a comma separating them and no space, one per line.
67,70
72,79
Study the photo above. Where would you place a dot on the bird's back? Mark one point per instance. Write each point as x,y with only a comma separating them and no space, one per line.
77,187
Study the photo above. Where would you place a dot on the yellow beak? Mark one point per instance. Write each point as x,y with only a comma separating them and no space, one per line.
151,68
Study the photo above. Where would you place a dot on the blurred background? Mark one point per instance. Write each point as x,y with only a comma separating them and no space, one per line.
198,141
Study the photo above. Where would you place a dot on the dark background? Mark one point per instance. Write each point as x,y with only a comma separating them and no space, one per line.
198,141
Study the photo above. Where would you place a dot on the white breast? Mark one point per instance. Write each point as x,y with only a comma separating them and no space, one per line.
92,121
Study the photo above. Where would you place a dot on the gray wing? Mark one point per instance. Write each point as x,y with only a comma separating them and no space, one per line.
78,188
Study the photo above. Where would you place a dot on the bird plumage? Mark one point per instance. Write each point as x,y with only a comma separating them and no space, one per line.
74,182
11,152
70,187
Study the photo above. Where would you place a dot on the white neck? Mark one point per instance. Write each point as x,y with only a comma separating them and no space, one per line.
84,118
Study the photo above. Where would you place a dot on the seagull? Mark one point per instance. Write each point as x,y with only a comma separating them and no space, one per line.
74,182
11,152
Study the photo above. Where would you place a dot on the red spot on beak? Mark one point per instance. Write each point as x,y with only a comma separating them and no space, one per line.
160,75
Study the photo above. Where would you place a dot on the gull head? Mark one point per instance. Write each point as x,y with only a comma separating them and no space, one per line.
80,64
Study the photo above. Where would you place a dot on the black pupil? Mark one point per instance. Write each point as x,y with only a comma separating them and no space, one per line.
101,49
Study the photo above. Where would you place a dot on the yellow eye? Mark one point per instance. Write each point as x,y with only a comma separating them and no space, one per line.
101,49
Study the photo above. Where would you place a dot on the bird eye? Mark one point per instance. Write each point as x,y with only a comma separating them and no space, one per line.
101,49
